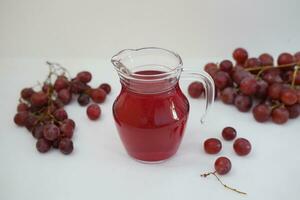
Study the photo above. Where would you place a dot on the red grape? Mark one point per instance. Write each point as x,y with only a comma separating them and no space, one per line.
243,103
285,58
78,87
294,111
228,95
229,133
288,97
242,146
212,146
21,118
274,91
70,121
67,130
226,66
252,62
261,112
195,89
211,68
98,95
51,132
65,95
61,83
248,86
43,145
280,115
106,87
240,55
39,99
93,111
37,131
222,80
266,59
66,146
222,165
31,121
262,89
83,99
238,75
60,114
26,93
84,76
22,107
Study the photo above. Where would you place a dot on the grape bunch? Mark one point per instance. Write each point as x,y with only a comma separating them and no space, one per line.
42,111
275,90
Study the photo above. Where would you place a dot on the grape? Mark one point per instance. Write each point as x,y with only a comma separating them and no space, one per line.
238,75
84,76
272,76
252,62
261,112
240,55
266,59
26,93
262,89
297,57
83,99
51,132
60,114
71,122
39,99
65,96
211,69
20,118
98,95
66,146
38,131
195,89
61,83
248,86
222,165
31,121
228,95
229,133
274,91
93,111
106,87
288,97
280,115
212,146
242,146
67,130
22,107
294,111
43,145
226,66
222,80
285,58
243,102
78,87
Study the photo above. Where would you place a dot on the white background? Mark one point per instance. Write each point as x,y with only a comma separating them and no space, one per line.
84,35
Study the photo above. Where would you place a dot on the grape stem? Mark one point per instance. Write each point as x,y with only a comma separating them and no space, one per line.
294,76
263,68
226,186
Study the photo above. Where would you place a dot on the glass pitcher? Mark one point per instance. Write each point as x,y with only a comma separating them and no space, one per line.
151,111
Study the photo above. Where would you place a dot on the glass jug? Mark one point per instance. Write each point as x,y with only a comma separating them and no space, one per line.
151,111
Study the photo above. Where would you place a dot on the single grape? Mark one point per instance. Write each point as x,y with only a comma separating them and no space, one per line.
70,121
294,111
222,80
66,146
274,91
238,75
61,83
242,146
280,115
39,99
266,59
98,95
288,97
83,99
65,96
58,103
78,87
43,145
248,86
51,132
60,114
20,118
222,165
93,111
212,146
211,69
229,133
228,95
195,89
243,102
272,76
26,93
252,62
106,87
67,130
22,107
262,89
226,66
261,112
31,121
285,58
84,76
37,131
240,55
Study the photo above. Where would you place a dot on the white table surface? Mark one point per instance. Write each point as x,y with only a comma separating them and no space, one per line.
83,35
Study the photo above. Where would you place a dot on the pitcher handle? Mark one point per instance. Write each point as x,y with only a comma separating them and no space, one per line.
208,84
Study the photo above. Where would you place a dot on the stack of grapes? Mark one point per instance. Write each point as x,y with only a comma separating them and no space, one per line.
42,112
275,89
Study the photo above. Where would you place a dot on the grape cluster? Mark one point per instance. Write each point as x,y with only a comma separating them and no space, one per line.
42,112
274,89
